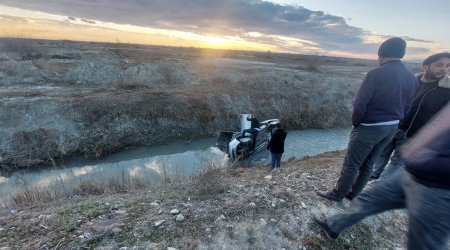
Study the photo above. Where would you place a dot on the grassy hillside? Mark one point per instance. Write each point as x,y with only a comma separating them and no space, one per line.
65,98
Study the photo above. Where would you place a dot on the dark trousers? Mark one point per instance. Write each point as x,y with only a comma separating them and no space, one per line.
428,209
364,147
386,155
276,160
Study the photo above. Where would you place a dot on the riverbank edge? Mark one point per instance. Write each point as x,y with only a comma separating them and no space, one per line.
222,208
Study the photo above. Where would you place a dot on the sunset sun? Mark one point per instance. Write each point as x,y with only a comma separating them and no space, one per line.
215,42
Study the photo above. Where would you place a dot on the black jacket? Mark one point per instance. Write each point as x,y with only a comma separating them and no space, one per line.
430,99
276,142
255,122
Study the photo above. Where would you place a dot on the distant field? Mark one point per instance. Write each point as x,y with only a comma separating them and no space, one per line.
63,98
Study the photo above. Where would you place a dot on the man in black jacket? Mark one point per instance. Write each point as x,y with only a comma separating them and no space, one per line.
423,187
254,126
276,146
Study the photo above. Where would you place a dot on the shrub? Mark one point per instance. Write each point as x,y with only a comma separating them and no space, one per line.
26,49
209,181
36,146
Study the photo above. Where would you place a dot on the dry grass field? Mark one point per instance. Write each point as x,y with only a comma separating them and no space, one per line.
64,98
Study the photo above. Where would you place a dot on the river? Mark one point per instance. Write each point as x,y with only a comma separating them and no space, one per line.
158,162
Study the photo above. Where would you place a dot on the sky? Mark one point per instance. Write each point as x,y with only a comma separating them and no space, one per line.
349,28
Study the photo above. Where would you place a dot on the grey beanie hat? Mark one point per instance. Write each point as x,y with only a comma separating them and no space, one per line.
393,47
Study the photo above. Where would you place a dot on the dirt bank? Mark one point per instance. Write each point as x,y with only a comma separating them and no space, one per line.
231,208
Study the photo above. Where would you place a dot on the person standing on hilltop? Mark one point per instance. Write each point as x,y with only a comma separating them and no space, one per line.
434,93
276,146
382,101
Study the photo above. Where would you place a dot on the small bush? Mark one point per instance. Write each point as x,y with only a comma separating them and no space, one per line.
170,73
120,183
209,181
25,49
35,146
90,188
32,196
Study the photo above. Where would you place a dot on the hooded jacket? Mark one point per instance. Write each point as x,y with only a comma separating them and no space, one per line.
430,99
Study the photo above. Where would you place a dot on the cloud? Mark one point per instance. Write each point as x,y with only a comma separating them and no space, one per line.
410,39
70,18
87,21
311,31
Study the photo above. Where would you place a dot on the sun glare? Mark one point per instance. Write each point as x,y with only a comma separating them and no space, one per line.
25,23
214,41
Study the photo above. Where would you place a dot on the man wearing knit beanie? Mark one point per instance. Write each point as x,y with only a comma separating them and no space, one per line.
392,47
382,101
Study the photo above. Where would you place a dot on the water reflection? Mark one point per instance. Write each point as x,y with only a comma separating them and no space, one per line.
155,163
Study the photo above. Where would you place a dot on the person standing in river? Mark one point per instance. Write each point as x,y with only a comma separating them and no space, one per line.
382,101
276,146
